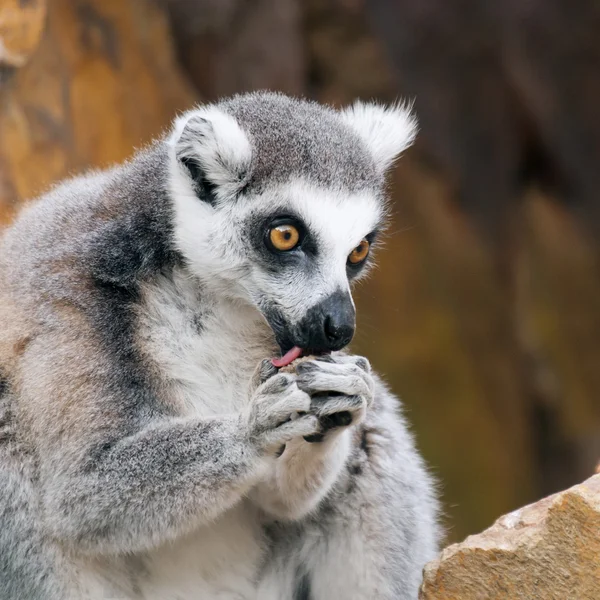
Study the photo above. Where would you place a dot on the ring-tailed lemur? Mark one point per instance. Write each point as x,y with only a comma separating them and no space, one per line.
140,458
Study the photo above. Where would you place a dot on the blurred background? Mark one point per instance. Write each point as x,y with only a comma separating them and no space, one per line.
484,315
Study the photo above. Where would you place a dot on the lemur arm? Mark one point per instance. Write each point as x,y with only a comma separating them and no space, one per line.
119,475
374,530
305,472
300,478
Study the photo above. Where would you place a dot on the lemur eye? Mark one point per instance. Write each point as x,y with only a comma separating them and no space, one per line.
284,237
359,253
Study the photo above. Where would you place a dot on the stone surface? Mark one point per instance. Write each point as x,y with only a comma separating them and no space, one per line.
102,81
549,550
21,26
230,46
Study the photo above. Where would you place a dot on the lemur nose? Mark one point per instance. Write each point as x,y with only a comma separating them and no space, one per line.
330,324
338,332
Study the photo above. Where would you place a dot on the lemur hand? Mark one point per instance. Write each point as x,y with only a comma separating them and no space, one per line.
278,412
341,389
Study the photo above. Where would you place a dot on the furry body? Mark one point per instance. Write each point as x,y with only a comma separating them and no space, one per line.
142,454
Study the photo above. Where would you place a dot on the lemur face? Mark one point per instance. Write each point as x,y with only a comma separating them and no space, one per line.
279,203
303,245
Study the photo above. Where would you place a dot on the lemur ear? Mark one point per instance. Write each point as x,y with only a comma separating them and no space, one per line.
387,131
213,150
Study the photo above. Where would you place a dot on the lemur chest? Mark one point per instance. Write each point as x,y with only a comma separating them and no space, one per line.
222,560
203,352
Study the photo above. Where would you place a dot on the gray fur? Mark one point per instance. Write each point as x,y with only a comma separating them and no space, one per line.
148,448
376,528
301,138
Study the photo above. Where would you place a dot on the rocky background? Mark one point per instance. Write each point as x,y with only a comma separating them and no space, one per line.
485,313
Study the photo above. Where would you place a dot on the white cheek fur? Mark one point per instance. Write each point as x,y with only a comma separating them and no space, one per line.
210,239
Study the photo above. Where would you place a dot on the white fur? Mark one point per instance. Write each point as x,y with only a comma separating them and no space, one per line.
302,476
218,561
217,142
386,130
210,240
209,372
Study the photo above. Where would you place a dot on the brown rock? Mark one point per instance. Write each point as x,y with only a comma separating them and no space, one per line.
21,26
547,550
230,46
102,81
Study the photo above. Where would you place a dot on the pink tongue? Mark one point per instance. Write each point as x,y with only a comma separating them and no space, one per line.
289,357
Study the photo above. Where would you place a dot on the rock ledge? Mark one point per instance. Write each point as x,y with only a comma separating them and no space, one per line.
547,550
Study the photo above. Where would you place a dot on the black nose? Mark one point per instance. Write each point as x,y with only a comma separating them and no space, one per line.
329,325
338,329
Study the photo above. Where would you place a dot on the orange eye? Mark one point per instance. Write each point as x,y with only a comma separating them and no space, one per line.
359,253
284,237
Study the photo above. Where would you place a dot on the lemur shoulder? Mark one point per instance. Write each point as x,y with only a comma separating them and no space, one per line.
149,446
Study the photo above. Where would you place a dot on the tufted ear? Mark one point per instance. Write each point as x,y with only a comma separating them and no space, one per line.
212,150
386,131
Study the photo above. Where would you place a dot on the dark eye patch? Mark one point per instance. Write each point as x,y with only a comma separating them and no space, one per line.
257,228
353,270
297,224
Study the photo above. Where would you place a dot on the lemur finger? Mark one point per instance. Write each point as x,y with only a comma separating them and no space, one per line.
290,406
264,371
272,407
336,412
364,365
329,422
336,404
340,419
267,369
339,411
348,365
276,384
360,361
303,426
348,380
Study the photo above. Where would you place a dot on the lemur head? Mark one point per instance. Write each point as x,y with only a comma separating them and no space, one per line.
278,203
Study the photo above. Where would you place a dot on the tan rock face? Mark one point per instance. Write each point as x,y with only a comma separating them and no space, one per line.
84,83
549,550
21,26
